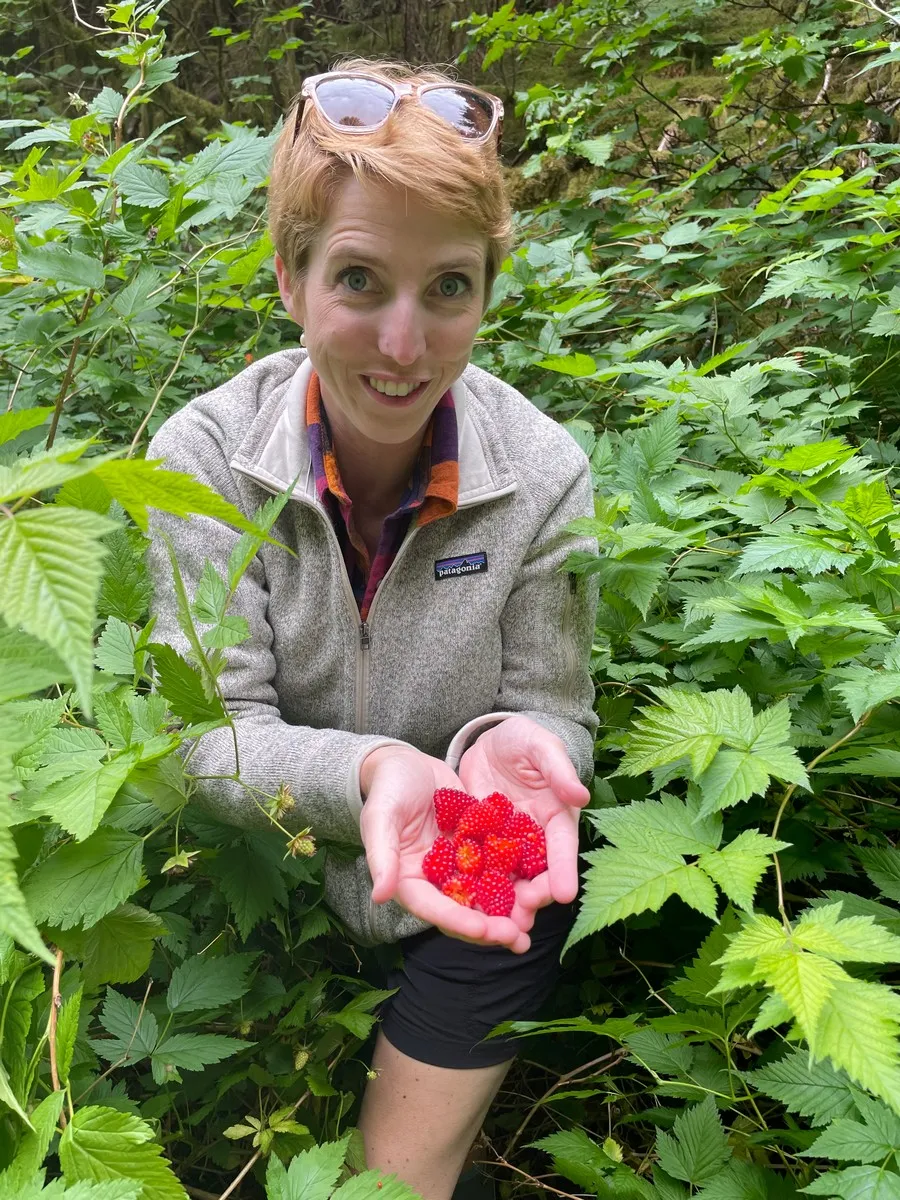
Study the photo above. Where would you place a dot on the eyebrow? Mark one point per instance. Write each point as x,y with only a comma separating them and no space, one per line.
465,261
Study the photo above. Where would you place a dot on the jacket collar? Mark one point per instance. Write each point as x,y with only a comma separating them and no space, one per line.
275,450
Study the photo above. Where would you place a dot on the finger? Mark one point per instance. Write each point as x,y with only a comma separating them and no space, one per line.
503,931
562,857
381,838
557,769
423,900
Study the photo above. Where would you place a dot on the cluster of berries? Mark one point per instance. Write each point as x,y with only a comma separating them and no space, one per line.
486,845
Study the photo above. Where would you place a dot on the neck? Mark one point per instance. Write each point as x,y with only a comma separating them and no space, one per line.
374,475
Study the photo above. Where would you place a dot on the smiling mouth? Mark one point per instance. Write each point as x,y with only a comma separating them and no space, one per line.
387,390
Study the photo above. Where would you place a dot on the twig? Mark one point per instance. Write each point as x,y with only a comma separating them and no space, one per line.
251,1162
70,369
545,1187
19,378
55,1005
185,341
80,21
610,1060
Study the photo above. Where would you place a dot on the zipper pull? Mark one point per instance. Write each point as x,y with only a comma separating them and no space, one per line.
364,638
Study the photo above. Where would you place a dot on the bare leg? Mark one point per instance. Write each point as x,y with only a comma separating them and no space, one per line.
419,1121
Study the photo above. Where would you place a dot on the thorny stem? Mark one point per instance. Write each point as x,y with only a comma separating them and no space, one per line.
55,1005
785,799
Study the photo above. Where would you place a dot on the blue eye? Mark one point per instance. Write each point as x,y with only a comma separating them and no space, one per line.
355,278
452,286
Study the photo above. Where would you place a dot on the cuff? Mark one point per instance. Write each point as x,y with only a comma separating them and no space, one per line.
471,732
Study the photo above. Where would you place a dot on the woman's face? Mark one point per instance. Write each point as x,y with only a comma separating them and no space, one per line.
392,298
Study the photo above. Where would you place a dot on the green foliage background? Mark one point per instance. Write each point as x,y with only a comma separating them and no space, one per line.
706,291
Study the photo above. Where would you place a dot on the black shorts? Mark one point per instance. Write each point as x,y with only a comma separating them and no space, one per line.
452,993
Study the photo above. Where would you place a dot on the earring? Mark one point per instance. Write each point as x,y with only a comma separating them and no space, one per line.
302,339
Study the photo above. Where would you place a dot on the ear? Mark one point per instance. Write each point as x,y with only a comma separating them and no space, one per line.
291,297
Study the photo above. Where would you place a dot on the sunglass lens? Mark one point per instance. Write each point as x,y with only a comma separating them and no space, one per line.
355,102
470,113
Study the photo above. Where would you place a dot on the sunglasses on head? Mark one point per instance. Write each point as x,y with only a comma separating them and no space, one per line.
360,103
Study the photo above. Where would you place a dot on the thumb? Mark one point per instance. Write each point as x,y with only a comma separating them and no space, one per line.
560,774
381,839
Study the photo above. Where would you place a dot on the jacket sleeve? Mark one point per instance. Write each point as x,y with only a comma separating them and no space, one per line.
319,766
547,629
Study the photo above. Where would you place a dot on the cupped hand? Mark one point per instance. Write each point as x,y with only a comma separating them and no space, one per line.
531,766
398,828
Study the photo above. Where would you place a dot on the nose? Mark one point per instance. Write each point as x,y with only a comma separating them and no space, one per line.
401,334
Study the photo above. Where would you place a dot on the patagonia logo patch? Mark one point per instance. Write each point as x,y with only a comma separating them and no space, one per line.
463,564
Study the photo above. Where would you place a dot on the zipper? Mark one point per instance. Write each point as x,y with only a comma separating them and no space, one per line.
570,681
363,641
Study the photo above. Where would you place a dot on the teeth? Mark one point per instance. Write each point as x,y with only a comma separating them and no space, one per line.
389,388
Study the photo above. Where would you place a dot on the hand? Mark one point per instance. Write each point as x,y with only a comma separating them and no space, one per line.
531,766
398,828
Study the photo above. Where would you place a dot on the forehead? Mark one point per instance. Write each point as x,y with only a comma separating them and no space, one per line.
390,221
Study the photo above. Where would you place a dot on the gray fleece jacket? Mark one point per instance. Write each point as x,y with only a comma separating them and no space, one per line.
472,623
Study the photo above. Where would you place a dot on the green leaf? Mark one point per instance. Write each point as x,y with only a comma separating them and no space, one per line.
53,596
139,484
102,1143
134,1030
577,1157
142,186
596,150
868,503
738,867
857,1030
61,264
698,1150
373,1185
118,948
208,983
192,1052
311,1175
849,939
792,551
78,801
32,1148
254,889
857,1183
577,365
814,1090
15,919
67,1032
738,1181
115,648
85,880
182,686
14,423
26,664
667,825
883,867
621,883
852,1141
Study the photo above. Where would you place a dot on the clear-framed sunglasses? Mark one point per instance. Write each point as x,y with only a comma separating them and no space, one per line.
358,103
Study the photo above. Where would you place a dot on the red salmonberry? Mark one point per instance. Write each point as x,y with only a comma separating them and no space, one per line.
440,861
501,853
520,825
468,856
501,804
532,862
495,894
448,807
460,889
480,819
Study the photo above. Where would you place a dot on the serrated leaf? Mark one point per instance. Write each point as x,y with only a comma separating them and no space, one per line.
814,1090
134,1030
85,880
14,423
738,1181
845,939
857,1183
182,685
867,502
732,777
142,186
118,948
78,801
311,1175
698,1150
67,1032
50,595
851,1141
15,919
577,1157
867,689
882,866
253,888
596,150
192,1052
208,983
101,1144
32,1148
115,648
61,264
27,665
857,1030
373,1185
666,824
621,883
577,365
738,867
793,552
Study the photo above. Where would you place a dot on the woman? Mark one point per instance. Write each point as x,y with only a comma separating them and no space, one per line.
424,635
